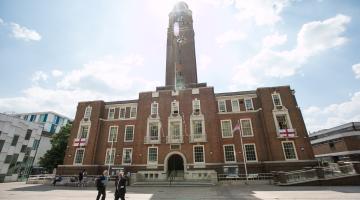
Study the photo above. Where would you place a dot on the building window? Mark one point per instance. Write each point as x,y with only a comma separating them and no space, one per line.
36,144
250,152
246,127
2,142
249,104
289,150
127,155
197,128
28,134
14,140
282,121
222,106
154,108
152,155
8,159
235,105
154,130
111,114
87,112
32,118
175,107
26,117
129,133
133,111
175,132
226,128
199,154
43,117
113,131
79,156
110,156
122,113
23,148
84,130
229,152
196,106
276,99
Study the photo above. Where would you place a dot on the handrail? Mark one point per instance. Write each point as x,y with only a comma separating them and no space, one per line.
172,176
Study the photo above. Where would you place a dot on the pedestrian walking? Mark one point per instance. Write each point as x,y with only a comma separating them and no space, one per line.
101,185
120,186
81,177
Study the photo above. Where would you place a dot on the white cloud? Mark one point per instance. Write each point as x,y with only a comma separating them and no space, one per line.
273,40
117,74
312,39
356,69
56,73
39,76
21,32
1,21
230,36
263,12
317,118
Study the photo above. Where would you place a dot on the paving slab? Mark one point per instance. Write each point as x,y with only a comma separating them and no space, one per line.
22,191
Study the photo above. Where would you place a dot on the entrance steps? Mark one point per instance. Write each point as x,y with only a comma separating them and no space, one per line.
174,183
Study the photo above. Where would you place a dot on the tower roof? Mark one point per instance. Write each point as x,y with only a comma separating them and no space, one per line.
181,7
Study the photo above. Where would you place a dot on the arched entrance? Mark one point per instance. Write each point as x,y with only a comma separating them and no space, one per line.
175,166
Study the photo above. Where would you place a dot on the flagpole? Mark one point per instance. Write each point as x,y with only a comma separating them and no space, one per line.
243,153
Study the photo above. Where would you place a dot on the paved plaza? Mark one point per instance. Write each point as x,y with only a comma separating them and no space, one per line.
22,191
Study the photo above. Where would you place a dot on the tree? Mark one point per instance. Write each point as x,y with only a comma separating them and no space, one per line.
55,156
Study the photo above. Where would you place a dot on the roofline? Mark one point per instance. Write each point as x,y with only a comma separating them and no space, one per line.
45,112
333,129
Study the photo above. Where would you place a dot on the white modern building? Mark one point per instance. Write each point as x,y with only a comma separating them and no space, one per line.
51,121
19,141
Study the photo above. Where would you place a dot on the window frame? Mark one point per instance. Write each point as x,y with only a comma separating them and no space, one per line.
251,127
133,114
273,99
111,116
116,133
203,154
124,154
251,103
196,103
256,156
234,153
175,107
125,133
87,112
222,128
75,156
219,102
294,148
157,156
232,105
153,106
113,151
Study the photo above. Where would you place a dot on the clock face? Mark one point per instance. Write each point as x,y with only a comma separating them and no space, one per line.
176,29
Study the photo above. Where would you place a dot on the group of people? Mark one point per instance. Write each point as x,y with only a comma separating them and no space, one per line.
120,186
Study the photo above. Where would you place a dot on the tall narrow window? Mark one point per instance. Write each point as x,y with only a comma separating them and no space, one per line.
36,144
79,156
222,106
175,107
250,152
289,150
110,156
129,133
175,130
111,113
197,128
276,99
133,112
84,129
122,113
127,155
199,154
28,134
282,121
154,108
113,132
14,140
87,112
235,105
229,153
226,128
196,106
152,155
249,104
246,128
154,130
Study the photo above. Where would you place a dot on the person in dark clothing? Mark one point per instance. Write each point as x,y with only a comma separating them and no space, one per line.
57,179
101,186
120,186
81,177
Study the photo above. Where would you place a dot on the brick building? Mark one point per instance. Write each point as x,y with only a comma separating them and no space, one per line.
185,128
340,143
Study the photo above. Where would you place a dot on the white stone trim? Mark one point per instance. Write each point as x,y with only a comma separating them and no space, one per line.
172,153
289,141
338,153
229,97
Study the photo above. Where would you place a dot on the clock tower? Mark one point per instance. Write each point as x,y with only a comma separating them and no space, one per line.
180,50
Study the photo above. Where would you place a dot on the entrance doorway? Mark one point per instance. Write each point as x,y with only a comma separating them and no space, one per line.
175,166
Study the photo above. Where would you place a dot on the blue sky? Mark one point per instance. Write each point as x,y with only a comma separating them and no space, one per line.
54,54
